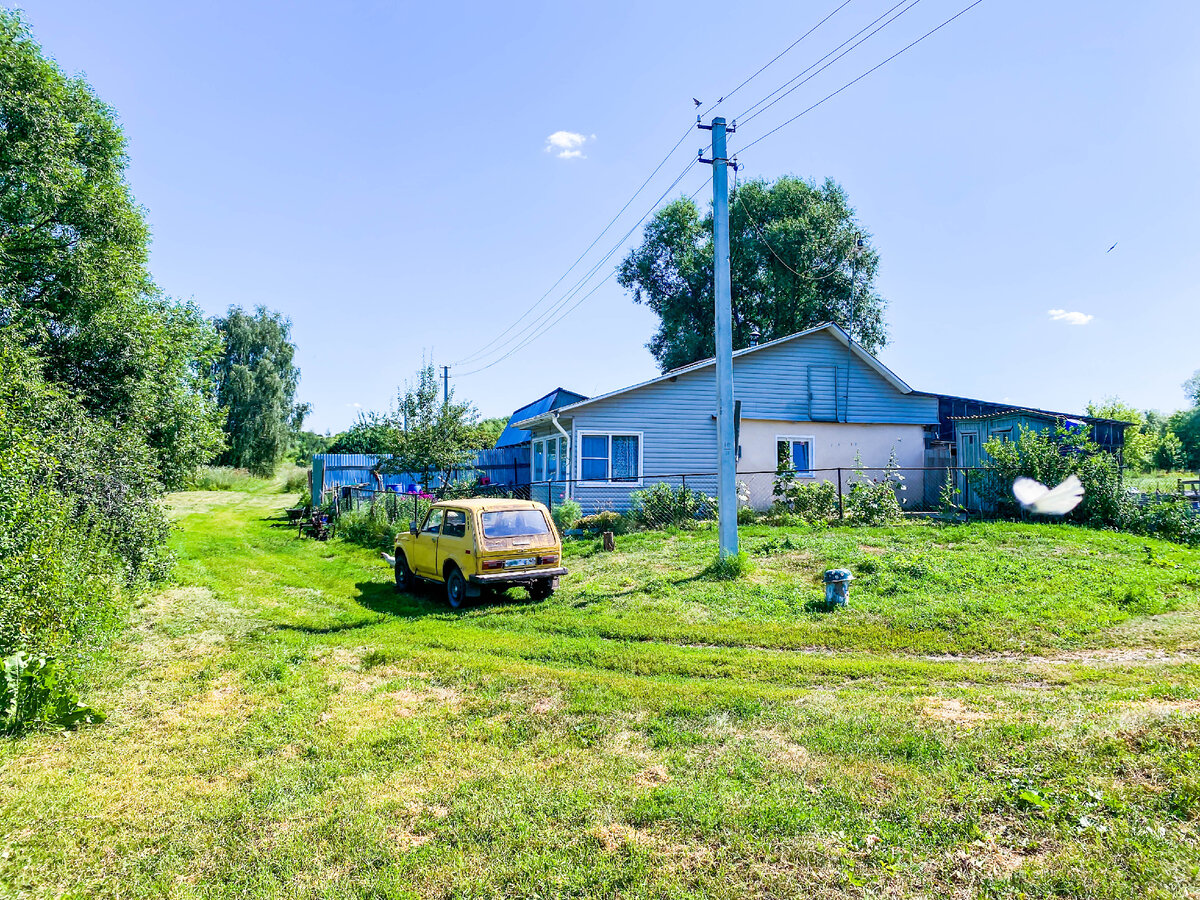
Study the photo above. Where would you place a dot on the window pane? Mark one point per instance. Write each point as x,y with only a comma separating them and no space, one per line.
539,470
594,469
455,524
593,463
514,523
595,445
624,457
783,455
800,456
552,460
433,524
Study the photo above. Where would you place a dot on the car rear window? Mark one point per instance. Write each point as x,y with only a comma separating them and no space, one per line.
514,523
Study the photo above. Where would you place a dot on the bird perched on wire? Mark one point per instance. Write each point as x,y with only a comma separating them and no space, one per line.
1037,498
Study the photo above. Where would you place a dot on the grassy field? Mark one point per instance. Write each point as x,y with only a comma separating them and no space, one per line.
1004,711
1158,480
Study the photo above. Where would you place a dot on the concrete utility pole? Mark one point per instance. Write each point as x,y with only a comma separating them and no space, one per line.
445,385
727,535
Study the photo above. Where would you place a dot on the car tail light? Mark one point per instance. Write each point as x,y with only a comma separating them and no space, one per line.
547,560
493,564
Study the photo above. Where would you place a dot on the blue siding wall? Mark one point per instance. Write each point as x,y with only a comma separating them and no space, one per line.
676,417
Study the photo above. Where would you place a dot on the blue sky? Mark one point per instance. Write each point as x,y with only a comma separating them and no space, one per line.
382,173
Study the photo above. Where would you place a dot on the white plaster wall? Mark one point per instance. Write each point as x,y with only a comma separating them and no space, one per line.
834,444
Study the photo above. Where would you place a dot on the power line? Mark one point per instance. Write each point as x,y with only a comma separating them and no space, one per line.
535,335
869,71
498,338
778,57
762,236
745,117
586,277
579,258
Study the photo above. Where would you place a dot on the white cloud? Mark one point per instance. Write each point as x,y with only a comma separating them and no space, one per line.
354,405
567,144
1071,318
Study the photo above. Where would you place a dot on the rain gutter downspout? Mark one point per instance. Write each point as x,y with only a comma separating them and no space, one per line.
567,440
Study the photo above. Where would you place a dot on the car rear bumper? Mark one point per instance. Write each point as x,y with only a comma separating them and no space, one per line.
517,577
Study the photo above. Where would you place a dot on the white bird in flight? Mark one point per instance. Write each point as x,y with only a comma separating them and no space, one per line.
1037,498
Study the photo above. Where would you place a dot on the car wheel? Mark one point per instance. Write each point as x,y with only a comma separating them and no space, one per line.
541,590
456,589
404,575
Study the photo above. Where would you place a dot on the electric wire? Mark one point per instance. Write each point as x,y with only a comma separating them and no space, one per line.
778,57
583,279
745,117
534,330
497,339
756,225
538,333
480,352
855,81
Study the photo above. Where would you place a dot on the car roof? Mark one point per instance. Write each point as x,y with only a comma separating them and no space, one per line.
486,503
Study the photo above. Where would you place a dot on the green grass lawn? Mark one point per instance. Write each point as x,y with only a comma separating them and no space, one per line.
1004,711
1158,480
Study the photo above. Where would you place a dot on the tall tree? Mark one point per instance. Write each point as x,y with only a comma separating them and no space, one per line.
1191,387
430,437
793,264
255,381
73,277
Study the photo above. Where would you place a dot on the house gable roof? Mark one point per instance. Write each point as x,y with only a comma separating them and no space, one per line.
835,330
513,434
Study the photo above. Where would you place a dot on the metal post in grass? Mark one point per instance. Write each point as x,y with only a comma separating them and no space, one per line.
727,535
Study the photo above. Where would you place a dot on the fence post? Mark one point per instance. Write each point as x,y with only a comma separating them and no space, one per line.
967,495
841,503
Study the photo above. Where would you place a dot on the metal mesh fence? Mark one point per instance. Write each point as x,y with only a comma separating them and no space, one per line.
689,500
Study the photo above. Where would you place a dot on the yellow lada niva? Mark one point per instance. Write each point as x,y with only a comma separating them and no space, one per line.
467,545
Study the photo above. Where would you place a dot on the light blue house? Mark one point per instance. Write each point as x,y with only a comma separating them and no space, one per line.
813,396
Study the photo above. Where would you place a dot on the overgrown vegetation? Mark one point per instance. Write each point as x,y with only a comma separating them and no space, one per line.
285,724
1050,456
105,391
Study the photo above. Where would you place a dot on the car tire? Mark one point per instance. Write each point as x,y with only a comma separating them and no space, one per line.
541,589
404,575
456,588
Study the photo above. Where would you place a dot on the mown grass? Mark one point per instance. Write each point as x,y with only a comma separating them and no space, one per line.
1003,711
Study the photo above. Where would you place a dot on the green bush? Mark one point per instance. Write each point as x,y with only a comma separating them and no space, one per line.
218,478
806,501
730,568
1050,456
873,503
33,692
605,520
662,506
295,479
369,526
566,515
1171,518
747,516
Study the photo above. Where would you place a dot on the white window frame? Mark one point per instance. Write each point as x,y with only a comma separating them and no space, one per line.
560,462
624,482
812,450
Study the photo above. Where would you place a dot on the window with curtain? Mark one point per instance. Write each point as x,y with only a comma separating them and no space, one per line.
624,457
798,451
610,457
